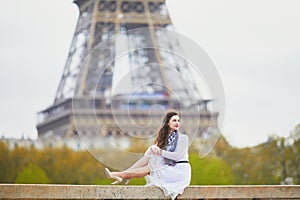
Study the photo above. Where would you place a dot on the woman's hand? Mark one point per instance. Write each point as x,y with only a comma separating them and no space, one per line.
155,150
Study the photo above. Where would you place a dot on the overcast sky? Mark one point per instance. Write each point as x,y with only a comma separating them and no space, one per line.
254,44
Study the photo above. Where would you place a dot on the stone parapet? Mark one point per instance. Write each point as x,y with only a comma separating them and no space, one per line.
49,191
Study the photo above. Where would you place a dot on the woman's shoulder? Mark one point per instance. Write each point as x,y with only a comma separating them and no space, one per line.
183,136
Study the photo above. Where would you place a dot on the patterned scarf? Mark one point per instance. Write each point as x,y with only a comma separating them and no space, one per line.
171,145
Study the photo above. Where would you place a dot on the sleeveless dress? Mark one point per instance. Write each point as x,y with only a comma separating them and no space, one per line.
171,179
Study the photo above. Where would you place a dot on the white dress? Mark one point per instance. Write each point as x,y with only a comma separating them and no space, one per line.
171,179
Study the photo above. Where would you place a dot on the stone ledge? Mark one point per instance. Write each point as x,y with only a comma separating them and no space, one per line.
46,191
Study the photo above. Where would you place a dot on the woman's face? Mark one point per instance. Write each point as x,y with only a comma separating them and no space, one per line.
174,123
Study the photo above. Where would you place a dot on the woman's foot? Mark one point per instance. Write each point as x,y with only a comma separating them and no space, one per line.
109,175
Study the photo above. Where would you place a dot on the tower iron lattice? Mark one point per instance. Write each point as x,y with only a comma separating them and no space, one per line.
100,85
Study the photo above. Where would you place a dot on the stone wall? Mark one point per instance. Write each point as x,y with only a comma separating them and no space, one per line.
45,191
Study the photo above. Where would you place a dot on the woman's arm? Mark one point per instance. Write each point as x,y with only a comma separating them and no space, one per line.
181,148
152,150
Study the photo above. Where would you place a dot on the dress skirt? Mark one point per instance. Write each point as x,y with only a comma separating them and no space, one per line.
171,179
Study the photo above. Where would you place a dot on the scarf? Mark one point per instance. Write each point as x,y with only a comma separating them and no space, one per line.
171,145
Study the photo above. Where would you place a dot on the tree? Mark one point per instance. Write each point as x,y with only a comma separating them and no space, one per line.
210,171
32,174
295,151
6,169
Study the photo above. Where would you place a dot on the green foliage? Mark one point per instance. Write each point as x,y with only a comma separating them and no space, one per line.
137,181
6,166
61,165
66,166
268,163
102,181
210,171
293,152
32,174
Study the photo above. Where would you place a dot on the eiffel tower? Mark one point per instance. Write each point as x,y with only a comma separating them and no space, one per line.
108,92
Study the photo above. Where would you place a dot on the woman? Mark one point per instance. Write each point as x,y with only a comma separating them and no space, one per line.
164,164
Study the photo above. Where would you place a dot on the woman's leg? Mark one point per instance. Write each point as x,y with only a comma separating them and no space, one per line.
138,169
143,161
136,172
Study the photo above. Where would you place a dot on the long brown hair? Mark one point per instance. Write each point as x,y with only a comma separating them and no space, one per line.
163,133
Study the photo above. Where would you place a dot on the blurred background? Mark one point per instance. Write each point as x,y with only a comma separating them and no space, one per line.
253,44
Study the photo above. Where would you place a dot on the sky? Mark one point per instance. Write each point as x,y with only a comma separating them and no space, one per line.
254,44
